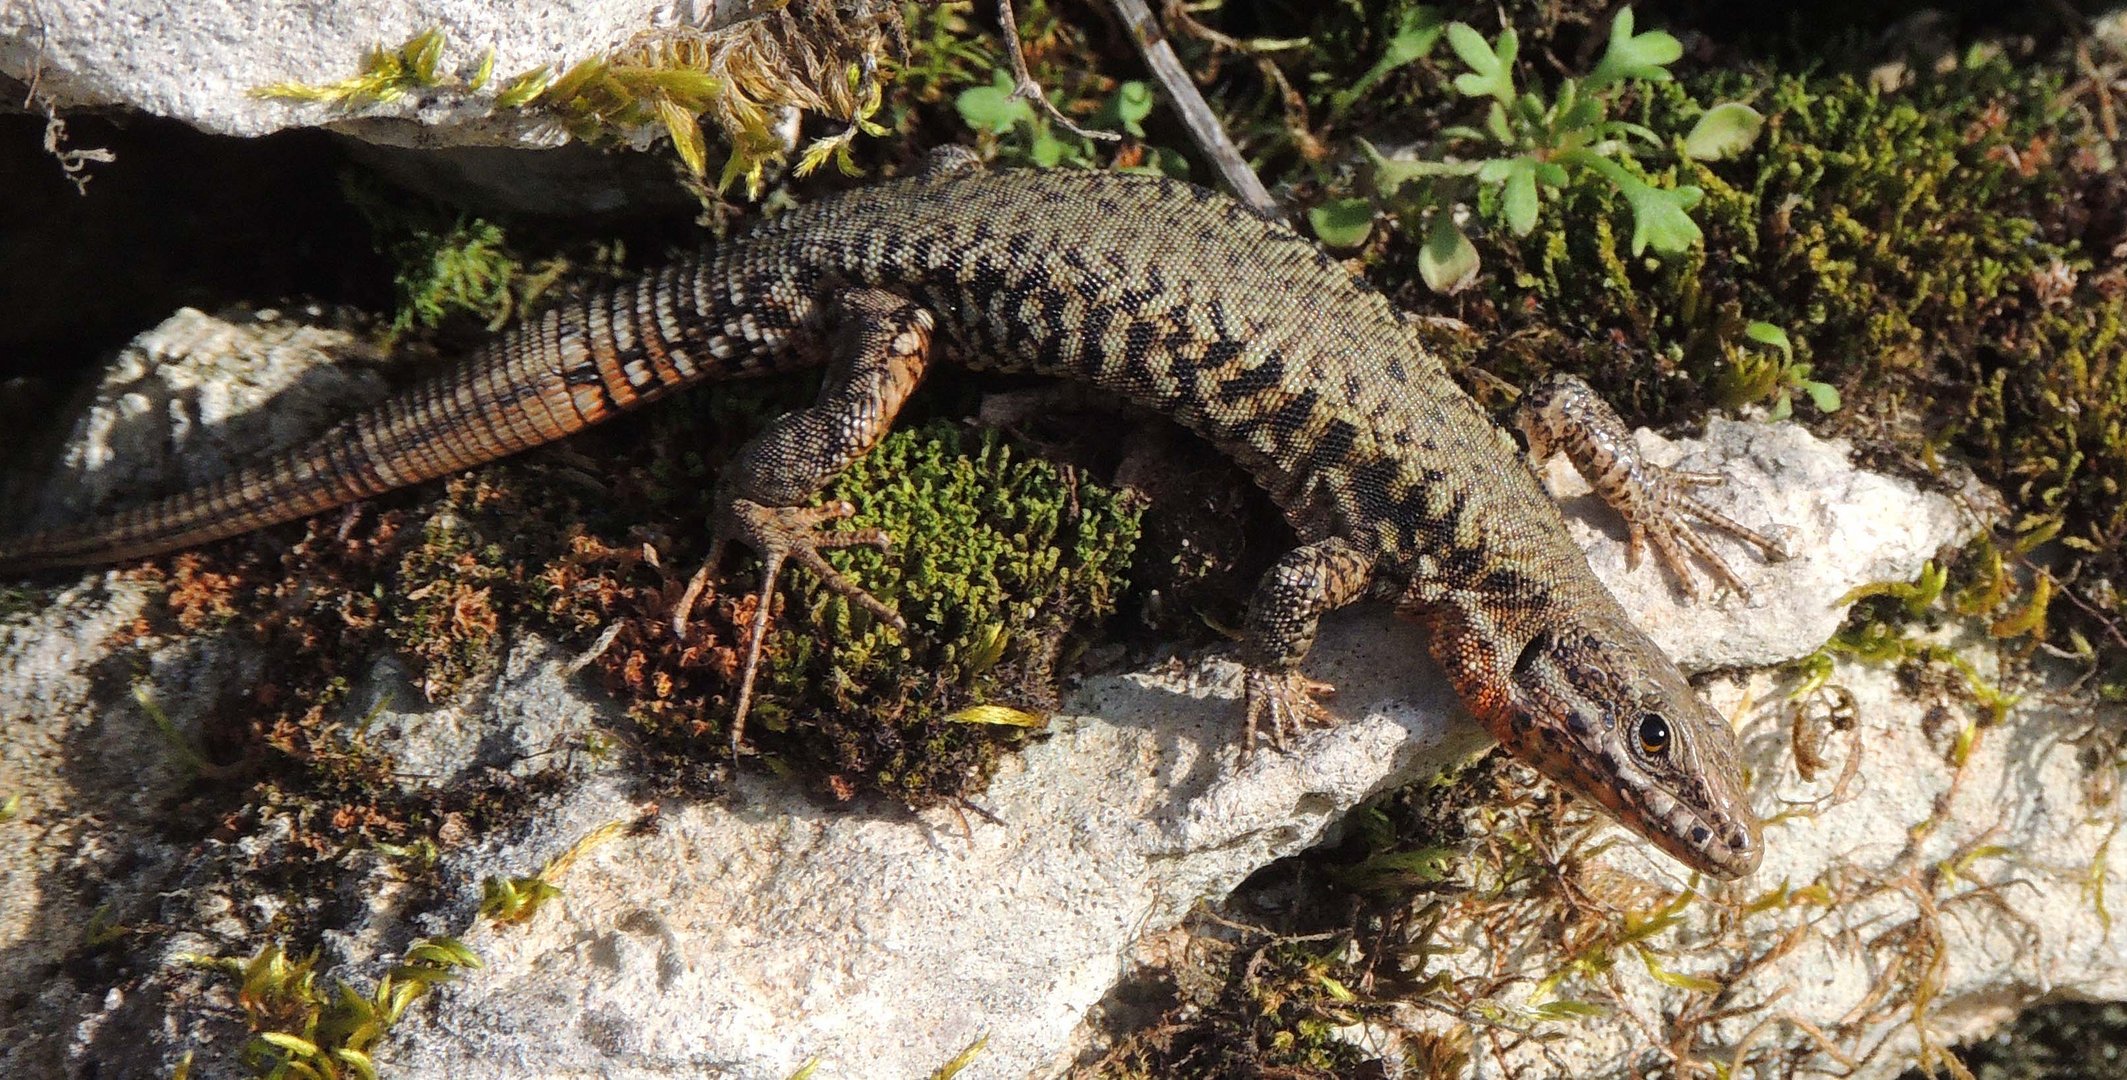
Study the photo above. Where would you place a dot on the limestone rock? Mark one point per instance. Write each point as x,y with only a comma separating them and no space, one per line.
199,63
191,398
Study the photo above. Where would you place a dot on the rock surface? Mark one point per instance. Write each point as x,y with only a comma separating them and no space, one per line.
748,936
190,399
200,62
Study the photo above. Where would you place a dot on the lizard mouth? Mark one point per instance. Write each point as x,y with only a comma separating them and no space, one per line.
1725,849
1695,832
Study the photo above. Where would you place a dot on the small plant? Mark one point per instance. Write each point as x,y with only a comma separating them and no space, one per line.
670,78
386,75
465,266
1756,374
1025,133
514,900
1529,144
303,1032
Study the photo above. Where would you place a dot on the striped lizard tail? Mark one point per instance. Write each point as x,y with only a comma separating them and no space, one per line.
545,379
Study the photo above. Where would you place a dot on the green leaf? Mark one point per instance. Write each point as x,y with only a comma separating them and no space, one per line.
1390,174
1564,1009
686,133
1661,219
1634,56
522,88
1448,261
1048,150
1677,979
1519,199
357,1062
1726,130
1491,68
1496,124
293,1044
992,108
1415,37
1765,333
1823,395
1342,223
1127,108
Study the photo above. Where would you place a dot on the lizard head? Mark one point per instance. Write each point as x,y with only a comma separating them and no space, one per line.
1605,713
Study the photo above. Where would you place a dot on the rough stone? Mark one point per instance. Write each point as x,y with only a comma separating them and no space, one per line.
201,62
188,400
769,933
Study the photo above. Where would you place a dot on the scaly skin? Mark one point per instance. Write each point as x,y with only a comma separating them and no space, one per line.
1169,295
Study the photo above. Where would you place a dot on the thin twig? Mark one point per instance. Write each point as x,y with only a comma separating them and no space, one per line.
1025,86
1204,127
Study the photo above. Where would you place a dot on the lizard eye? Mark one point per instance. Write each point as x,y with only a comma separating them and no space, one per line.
1654,735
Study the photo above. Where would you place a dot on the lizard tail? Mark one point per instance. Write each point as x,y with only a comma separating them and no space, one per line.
542,380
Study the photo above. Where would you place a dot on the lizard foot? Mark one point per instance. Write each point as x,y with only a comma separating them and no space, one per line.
1564,413
781,534
1661,517
1287,700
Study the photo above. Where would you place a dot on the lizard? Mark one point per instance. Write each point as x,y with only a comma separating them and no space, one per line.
1398,485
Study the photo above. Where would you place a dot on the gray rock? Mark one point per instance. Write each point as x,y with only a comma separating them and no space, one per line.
756,936
186,401
200,63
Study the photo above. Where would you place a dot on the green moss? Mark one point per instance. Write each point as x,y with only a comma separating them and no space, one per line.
998,558
302,1029
450,264
999,561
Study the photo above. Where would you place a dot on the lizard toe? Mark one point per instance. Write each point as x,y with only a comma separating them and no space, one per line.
1282,704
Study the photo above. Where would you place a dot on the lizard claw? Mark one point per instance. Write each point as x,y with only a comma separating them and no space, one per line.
781,534
1661,518
1288,701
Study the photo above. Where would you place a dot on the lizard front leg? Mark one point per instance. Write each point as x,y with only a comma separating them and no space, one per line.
881,345
1564,413
1283,615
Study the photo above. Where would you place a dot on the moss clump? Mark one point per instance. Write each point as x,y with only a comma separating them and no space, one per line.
443,612
450,265
998,559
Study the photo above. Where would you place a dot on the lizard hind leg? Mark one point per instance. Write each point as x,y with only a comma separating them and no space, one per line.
880,347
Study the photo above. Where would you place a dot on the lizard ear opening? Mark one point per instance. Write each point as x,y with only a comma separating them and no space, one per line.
1536,646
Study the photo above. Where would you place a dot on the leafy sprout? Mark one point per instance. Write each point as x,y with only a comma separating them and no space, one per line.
1773,372
1024,133
1530,144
